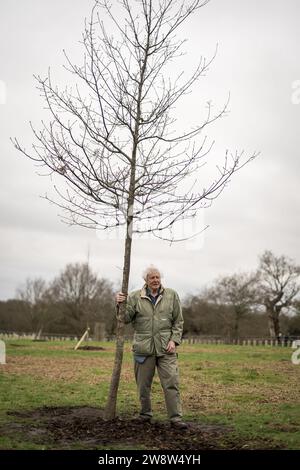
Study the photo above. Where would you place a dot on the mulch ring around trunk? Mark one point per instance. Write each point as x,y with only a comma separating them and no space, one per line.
64,427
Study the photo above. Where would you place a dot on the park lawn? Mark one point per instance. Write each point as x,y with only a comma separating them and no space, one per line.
254,390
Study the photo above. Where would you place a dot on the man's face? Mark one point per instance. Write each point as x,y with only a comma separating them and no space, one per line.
153,280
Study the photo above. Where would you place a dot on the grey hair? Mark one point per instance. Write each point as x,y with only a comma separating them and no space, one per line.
150,270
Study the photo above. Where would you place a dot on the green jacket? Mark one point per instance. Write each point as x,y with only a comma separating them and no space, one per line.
154,325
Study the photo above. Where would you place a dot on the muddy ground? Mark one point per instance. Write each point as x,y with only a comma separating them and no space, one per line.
84,427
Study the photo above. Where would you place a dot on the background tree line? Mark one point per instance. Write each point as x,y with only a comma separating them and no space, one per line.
263,303
74,300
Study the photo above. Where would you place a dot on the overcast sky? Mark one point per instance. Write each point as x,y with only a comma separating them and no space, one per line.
258,61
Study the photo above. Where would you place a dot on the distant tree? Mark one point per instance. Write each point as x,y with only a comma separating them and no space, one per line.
202,317
35,295
293,326
278,285
236,296
13,316
82,298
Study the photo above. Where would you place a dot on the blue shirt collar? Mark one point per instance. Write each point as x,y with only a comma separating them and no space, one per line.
153,298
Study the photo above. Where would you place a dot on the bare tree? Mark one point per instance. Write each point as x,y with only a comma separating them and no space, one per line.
278,285
236,294
35,294
114,139
81,297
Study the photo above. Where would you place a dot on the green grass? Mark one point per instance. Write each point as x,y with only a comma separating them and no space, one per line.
254,389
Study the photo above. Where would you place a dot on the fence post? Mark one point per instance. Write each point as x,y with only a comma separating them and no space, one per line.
2,352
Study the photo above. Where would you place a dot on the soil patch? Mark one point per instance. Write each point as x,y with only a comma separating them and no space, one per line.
63,427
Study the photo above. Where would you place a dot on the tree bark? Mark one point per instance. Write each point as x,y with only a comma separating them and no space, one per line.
111,404
110,409
273,321
236,328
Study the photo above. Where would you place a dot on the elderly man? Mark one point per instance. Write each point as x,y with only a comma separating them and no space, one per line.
156,316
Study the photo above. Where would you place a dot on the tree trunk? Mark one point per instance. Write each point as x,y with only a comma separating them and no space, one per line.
236,326
236,331
111,404
273,321
276,326
110,409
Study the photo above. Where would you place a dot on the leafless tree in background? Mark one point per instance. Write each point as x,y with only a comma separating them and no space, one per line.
81,297
278,286
114,138
236,294
35,295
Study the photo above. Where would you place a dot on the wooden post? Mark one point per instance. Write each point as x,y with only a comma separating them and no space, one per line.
2,352
84,336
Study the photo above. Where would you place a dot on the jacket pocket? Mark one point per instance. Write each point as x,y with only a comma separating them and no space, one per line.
142,344
164,338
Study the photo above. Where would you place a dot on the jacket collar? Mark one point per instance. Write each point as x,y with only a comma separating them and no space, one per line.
144,291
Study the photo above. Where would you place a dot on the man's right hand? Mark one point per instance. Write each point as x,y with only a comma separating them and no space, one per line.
120,297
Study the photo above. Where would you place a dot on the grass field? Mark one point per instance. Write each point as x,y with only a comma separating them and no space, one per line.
253,392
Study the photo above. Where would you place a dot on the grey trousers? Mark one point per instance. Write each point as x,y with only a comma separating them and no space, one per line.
168,374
